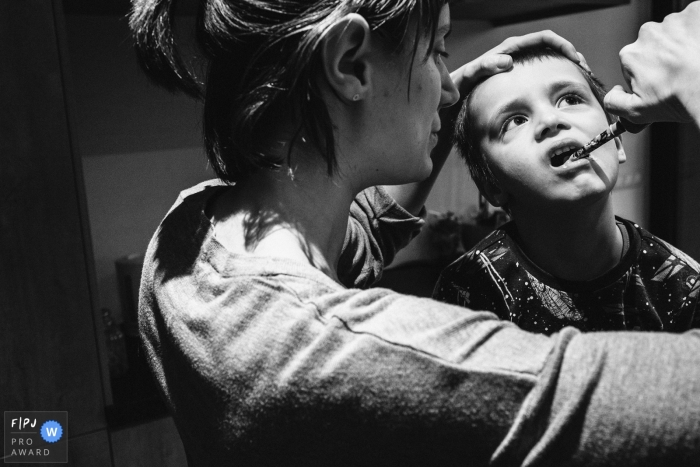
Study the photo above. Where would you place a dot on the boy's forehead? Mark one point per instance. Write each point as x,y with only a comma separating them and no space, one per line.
525,82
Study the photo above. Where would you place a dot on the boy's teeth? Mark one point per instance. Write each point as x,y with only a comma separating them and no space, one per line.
563,150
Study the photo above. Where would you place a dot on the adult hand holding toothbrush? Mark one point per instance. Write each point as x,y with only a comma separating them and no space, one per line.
662,69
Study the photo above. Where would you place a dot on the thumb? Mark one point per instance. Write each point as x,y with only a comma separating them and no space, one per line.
621,103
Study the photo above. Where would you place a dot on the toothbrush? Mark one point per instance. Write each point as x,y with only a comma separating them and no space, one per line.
616,129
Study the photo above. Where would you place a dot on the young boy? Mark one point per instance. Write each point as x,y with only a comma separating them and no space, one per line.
565,259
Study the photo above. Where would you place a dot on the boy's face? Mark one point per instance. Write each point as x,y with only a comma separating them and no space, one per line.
527,116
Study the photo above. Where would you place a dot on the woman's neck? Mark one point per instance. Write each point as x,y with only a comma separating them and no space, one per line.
301,217
576,244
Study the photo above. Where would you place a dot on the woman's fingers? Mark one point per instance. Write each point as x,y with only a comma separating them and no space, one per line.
497,59
662,70
625,104
547,37
488,64
582,61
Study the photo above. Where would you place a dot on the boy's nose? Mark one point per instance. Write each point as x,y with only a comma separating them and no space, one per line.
549,125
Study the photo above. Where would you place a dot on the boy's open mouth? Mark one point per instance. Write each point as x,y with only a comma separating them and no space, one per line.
562,155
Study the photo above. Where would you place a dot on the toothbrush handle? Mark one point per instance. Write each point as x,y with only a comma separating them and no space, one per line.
616,129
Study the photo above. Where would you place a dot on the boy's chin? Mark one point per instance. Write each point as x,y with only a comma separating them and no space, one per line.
570,200
583,197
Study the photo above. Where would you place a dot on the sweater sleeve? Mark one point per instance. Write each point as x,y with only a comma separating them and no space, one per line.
377,228
572,399
626,398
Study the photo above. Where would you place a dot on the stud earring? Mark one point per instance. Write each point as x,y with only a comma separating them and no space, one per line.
356,97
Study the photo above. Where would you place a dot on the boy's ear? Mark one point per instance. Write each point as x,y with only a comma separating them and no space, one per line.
621,156
344,52
495,195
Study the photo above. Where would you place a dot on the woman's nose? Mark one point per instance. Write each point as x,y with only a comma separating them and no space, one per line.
450,94
549,124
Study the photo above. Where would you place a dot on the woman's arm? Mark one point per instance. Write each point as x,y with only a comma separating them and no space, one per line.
412,196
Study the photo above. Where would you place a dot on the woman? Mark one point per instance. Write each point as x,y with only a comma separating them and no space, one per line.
265,358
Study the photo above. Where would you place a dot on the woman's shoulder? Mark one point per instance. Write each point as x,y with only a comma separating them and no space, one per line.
201,191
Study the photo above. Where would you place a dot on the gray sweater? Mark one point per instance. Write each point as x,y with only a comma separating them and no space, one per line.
270,362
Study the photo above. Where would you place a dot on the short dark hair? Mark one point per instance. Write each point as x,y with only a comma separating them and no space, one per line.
263,58
467,137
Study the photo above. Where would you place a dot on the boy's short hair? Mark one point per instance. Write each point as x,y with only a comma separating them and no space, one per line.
467,136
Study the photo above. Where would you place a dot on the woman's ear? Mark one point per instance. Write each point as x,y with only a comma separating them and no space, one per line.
621,156
345,57
495,195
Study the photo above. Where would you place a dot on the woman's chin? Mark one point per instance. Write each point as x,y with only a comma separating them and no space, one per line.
424,171
406,175
417,177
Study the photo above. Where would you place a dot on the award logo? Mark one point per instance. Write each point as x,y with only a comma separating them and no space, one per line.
33,436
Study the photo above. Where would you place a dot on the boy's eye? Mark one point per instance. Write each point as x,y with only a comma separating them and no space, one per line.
569,100
513,122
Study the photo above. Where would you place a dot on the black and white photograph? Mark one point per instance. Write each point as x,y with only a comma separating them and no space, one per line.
391,233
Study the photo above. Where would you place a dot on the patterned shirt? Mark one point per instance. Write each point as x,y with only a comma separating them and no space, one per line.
654,287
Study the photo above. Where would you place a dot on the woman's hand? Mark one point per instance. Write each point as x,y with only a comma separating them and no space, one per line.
662,69
498,59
